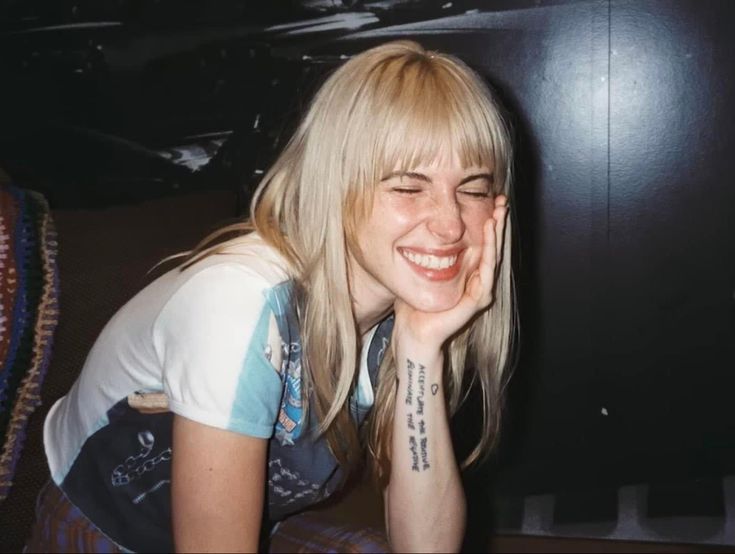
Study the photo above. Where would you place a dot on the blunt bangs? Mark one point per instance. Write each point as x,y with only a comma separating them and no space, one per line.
434,106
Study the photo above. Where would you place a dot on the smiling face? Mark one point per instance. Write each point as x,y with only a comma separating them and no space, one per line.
423,237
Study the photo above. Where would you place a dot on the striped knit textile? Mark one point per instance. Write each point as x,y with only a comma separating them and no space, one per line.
29,284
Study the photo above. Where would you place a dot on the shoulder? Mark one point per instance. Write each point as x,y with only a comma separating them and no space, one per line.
229,288
243,268
246,258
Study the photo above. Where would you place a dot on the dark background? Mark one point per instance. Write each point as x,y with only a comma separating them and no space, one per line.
624,196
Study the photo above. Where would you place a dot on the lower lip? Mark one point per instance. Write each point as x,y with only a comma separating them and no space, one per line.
444,274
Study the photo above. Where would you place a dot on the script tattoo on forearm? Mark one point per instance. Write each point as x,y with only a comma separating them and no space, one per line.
409,384
418,443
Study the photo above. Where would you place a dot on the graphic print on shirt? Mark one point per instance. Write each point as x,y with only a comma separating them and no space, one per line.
121,478
136,465
289,485
288,427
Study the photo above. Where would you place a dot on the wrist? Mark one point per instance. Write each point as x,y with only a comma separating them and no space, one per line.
428,361
408,335
407,349
422,330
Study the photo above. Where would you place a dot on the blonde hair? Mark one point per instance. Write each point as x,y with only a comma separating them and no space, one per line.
393,106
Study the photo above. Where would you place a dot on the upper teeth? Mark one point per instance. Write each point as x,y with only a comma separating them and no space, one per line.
430,262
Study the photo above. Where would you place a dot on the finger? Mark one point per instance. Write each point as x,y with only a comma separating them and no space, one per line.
488,261
501,217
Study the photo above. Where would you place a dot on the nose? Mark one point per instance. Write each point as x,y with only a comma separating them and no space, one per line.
445,221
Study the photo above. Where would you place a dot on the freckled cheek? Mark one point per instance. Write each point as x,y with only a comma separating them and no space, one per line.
474,222
398,215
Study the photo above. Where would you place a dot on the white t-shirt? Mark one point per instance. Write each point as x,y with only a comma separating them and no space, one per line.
220,340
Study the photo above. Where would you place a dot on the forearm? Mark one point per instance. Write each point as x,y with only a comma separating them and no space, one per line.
425,504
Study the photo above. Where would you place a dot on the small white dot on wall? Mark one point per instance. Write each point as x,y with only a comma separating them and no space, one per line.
603,411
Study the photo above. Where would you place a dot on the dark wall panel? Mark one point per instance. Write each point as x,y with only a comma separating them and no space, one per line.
670,339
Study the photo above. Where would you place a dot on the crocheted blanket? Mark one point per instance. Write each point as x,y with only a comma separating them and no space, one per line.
29,287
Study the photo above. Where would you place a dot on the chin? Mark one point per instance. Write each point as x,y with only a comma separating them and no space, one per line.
433,302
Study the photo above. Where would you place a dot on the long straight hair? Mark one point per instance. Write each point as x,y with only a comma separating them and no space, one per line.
393,106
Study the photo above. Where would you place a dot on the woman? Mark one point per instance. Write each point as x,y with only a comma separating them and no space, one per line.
232,391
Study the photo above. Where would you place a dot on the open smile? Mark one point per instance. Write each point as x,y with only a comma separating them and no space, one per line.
434,266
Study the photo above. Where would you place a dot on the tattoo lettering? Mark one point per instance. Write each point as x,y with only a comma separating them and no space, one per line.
424,454
409,387
419,447
420,395
414,453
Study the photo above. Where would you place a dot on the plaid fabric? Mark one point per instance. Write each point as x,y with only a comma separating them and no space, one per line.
311,532
61,527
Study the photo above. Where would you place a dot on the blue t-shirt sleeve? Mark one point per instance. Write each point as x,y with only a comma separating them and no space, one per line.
215,339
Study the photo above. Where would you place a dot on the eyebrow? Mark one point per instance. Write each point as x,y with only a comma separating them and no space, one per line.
427,179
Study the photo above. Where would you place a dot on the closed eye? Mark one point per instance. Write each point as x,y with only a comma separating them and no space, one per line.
476,193
477,186
406,190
